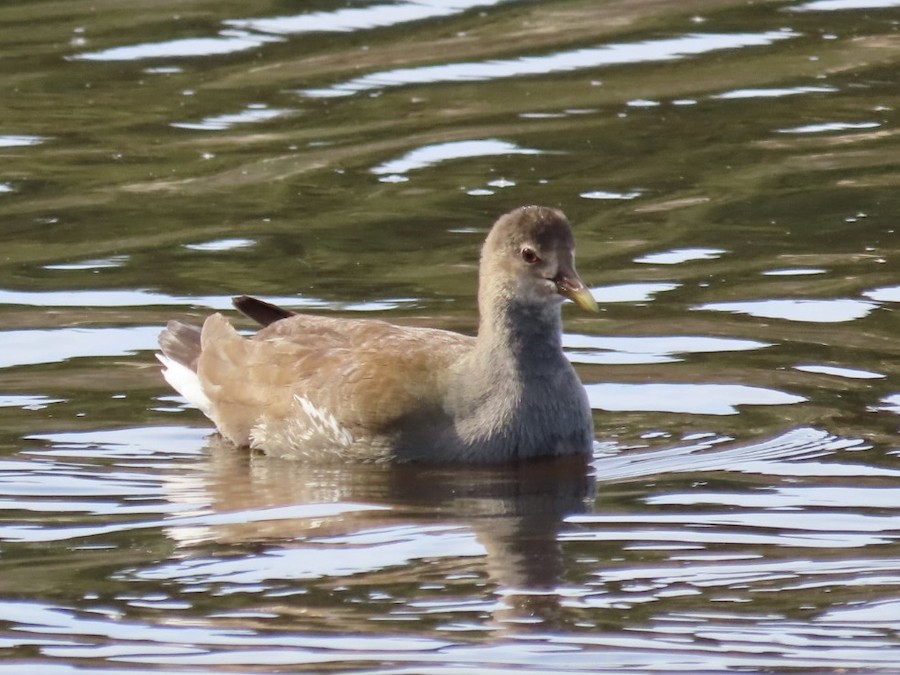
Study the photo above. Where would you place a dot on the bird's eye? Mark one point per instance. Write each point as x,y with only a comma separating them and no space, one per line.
529,256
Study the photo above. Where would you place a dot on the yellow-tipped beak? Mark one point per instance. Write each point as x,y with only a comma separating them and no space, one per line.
575,290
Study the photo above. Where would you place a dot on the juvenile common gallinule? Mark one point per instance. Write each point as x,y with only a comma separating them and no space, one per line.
320,388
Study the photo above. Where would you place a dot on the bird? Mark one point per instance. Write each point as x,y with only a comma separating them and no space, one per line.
320,388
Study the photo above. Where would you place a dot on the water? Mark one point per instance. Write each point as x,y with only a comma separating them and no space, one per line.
731,171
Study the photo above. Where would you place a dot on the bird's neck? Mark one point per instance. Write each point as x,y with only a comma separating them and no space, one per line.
518,332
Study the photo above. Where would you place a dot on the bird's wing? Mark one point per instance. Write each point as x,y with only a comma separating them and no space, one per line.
359,376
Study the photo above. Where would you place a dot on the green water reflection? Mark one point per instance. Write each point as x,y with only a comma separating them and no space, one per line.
731,171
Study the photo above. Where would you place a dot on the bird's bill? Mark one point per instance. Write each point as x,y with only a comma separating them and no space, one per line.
573,288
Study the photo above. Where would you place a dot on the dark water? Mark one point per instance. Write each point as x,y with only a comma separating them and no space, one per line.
732,171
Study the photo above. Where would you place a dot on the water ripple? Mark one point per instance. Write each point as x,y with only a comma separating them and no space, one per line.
836,310
632,292
842,5
246,34
837,371
18,141
655,349
824,127
140,297
430,155
330,557
680,255
227,42
774,92
561,62
887,294
360,18
696,399
787,454
252,114
27,347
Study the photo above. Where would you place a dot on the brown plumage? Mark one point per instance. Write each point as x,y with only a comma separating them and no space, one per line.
318,387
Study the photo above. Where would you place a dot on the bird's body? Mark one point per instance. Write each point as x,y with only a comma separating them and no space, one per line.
321,388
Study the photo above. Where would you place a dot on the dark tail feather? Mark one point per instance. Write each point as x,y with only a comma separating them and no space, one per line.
260,311
181,343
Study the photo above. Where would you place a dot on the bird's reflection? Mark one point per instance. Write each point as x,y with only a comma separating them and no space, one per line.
514,511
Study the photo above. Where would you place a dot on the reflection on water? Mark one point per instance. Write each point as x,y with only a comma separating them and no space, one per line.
361,18
829,126
250,33
680,255
635,350
430,155
256,112
884,294
221,245
839,5
774,93
139,297
816,311
487,557
560,62
603,194
228,42
639,292
697,399
852,373
19,141
731,173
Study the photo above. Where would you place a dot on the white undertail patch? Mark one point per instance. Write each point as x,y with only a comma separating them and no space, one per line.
186,382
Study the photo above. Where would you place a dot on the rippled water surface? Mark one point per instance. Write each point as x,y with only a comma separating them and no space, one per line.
732,172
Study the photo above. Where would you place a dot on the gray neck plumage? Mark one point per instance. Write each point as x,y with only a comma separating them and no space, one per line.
520,333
